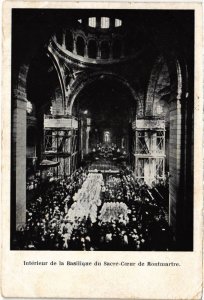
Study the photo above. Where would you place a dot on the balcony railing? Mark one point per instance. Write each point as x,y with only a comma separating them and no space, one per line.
60,117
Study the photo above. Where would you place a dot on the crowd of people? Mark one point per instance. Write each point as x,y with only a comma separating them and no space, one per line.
131,219
89,211
46,212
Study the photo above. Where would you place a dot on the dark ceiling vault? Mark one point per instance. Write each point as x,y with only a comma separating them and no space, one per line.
35,26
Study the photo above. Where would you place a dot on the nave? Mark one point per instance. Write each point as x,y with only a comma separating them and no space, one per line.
97,211
114,99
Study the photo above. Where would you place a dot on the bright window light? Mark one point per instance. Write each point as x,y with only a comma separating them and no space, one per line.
92,22
118,23
105,22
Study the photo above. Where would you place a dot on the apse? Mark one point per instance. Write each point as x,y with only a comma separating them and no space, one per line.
110,107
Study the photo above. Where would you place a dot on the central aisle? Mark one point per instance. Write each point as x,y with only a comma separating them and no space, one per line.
86,202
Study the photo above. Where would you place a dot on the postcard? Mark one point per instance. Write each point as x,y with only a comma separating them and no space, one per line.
102,166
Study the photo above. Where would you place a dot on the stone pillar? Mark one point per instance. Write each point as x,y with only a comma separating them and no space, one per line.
98,55
112,23
135,151
134,162
98,22
81,140
87,139
111,50
63,39
122,49
88,128
86,49
174,161
74,46
19,156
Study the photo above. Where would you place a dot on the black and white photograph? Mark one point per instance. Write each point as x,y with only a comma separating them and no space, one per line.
102,129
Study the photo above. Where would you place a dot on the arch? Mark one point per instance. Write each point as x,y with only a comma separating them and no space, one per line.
80,46
19,134
177,71
92,49
105,49
59,74
93,77
152,84
180,142
180,151
117,48
69,41
59,37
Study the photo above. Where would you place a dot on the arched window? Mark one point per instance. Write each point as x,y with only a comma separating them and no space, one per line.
116,49
118,23
69,41
92,49
106,136
105,50
59,37
92,22
105,22
80,45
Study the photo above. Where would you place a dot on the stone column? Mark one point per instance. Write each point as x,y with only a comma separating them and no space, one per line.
134,149
111,50
88,128
112,23
74,46
63,39
87,139
81,140
86,49
98,22
19,156
174,161
98,55
122,49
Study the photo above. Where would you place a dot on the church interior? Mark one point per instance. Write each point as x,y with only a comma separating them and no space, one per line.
102,130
